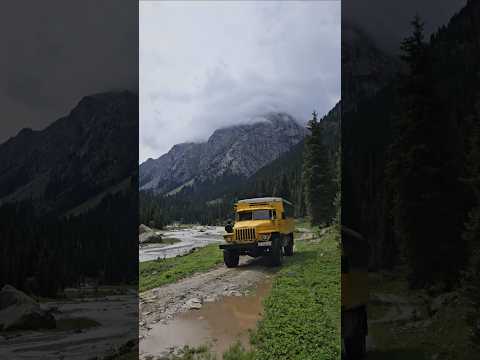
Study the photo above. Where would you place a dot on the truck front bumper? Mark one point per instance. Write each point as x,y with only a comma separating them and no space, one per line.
252,249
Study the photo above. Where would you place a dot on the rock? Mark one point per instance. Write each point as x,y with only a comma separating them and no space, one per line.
143,229
442,300
194,304
211,298
150,237
18,311
232,293
10,296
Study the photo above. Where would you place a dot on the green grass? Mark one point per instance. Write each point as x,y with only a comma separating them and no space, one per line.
160,272
302,313
446,334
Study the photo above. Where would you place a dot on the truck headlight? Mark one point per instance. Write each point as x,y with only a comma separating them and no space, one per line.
265,237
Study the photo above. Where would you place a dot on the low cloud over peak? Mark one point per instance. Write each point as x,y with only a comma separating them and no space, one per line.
204,66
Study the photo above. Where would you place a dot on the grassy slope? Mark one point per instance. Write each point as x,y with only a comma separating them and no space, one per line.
160,272
302,313
445,335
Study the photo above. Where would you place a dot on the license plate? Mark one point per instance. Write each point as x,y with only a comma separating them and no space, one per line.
265,243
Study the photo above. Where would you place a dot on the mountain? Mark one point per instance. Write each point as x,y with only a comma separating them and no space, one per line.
367,97
373,112
236,151
291,161
211,203
365,67
76,158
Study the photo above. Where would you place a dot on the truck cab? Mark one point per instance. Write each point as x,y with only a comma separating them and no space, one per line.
263,227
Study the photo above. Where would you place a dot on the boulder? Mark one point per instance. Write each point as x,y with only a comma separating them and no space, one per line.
442,300
150,237
194,304
19,311
143,229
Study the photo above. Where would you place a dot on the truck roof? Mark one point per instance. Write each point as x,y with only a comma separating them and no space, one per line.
262,200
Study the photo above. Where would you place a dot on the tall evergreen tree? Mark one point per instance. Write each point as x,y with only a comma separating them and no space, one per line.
318,176
421,171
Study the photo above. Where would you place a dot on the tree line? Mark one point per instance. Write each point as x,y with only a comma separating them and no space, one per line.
412,186
44,254
433,166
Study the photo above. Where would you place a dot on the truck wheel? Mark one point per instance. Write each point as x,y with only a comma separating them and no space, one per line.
276,256
289,246
355,347
230,258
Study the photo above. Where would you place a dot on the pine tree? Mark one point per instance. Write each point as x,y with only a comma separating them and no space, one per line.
318,176
421,173
284,187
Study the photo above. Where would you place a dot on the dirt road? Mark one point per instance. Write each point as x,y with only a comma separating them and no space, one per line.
191,311
216,307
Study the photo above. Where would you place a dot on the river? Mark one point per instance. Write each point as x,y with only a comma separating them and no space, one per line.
194,236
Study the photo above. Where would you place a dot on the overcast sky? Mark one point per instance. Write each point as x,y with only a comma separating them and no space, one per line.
206,65
55,52
388,22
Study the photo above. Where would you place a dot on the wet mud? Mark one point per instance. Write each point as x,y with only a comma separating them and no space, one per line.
219,324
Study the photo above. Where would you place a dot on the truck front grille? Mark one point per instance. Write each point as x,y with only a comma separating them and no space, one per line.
245,234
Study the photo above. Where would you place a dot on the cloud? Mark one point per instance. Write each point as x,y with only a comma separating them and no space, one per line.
206,65
55,52
388,22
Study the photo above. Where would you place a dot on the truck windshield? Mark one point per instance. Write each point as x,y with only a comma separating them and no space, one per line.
254,215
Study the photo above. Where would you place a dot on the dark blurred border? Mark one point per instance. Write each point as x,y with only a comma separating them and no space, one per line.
410,85
69,179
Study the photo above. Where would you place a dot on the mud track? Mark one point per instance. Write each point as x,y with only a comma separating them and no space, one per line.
177,310
161,304
160,308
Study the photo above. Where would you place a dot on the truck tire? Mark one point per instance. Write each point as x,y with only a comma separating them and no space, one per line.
230,258
355,326
355,347
289,246
276,256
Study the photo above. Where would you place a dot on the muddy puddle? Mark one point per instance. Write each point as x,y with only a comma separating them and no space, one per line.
218,324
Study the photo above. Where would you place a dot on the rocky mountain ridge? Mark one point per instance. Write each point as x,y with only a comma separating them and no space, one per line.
75,158
233,151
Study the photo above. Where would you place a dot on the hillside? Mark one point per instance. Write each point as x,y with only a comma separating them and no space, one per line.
69,197
74,159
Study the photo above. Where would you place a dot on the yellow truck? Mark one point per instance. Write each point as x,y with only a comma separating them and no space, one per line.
355,253
263,226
